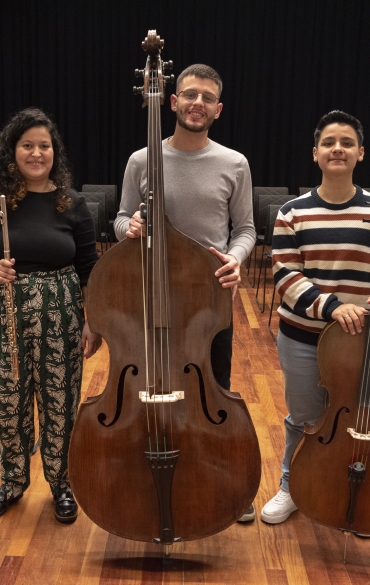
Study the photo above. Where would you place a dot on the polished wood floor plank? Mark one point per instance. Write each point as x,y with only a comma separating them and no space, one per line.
276,577
92,562
266,400
35,549
249,310
9,569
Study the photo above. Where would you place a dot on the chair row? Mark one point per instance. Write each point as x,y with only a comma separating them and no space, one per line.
262,198
103,205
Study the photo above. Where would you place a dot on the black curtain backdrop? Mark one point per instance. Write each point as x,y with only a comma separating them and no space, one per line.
284,64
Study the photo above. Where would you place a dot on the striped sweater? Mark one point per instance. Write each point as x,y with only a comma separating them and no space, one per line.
321,259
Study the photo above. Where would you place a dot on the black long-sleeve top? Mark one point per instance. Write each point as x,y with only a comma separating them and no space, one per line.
41,239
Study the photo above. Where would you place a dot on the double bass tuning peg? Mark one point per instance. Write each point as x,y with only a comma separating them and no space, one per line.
138,90
139,72
167,65
169,78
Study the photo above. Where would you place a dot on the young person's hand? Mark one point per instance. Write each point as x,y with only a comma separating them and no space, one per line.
350,317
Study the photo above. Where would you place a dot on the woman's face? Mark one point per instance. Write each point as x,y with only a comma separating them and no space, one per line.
34,156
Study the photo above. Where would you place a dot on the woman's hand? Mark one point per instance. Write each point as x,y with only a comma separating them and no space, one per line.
350,317
7,272
90,342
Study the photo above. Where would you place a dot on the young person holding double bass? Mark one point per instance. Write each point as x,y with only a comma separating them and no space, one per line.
321,251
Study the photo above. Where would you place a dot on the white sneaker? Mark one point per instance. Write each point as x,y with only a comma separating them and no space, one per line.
278,509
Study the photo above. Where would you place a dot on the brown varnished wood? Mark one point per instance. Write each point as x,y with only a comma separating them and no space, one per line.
319,472
203,503
200,454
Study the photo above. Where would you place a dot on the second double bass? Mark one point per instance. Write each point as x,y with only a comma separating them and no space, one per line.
164,453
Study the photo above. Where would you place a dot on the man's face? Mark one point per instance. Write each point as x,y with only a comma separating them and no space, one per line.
338,151
197,115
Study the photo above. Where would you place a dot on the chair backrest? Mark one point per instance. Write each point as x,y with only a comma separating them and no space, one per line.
262,202
266,190
94,209
111,191
101,198
272,211
304,190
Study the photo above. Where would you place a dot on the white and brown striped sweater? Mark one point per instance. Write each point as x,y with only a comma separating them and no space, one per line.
321,259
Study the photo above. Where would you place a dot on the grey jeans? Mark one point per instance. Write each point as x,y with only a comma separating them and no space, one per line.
305,400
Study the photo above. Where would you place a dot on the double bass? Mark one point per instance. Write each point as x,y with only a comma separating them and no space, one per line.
329,479
164,453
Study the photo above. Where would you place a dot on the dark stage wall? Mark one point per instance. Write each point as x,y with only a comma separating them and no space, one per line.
284,63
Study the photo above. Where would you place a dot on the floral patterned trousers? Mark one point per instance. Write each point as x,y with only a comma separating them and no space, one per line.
49,317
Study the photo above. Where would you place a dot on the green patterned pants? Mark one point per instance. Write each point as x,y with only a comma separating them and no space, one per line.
49,322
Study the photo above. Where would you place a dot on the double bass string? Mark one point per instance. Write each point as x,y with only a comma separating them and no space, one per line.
166,388
157,252
362,421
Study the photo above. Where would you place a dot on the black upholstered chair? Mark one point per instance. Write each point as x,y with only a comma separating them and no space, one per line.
304,190
256,191
263,200
112,204
271,214
95,210
101,198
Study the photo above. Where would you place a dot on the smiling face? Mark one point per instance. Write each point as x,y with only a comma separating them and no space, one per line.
338,151
34,156
196,116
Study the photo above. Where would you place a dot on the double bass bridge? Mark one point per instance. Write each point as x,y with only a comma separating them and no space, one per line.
360,436
161,397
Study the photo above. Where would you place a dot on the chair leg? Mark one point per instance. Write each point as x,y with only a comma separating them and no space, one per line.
254,253
270,316
263,264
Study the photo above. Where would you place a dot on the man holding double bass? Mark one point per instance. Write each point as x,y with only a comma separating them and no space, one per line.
205,186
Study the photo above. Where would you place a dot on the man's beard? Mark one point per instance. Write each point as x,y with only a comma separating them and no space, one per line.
207,124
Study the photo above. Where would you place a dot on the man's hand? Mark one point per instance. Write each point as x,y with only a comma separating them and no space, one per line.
137,226
229,273
350,317
7,272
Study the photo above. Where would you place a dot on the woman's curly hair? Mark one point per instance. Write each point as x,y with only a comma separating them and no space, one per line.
12,182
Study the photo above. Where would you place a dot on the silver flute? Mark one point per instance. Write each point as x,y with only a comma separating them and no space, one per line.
8,296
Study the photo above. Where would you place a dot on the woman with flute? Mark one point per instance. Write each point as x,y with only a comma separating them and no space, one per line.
53,250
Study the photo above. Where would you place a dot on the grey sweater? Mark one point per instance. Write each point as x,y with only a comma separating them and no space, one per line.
203,189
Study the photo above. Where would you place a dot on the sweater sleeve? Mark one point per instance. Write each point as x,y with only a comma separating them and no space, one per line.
84,237
131,198
243,235
302,297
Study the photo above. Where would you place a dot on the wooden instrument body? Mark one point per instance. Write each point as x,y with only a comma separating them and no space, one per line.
218,469
318,479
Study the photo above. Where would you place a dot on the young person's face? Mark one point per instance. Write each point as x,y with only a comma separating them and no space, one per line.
197,115
338,150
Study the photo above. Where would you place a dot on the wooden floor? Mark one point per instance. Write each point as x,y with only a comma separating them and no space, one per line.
35,549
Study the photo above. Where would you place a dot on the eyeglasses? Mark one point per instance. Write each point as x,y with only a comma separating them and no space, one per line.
191,95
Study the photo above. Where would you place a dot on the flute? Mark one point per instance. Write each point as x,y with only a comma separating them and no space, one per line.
8,296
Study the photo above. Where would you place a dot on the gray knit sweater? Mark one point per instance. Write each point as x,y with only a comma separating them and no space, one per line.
203,189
